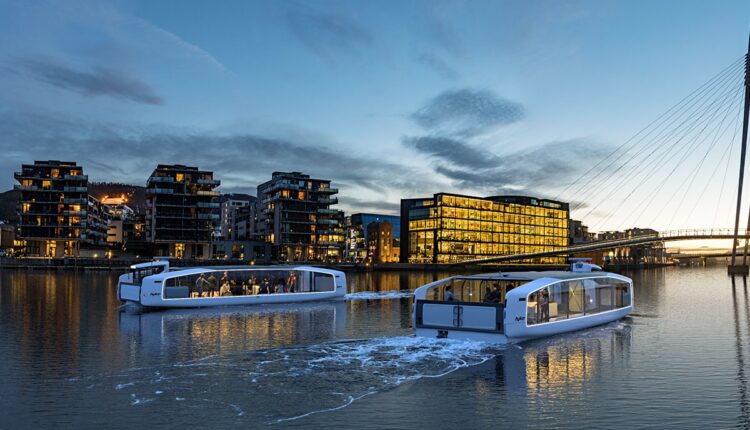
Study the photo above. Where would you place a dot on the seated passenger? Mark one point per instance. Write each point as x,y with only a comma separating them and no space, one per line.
494,296
487,294
281,286
225,289
448,295
236,288
264,287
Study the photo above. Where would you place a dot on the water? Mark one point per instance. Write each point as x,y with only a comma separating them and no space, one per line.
71,357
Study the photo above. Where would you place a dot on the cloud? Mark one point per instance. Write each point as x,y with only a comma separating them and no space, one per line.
454,151
354,205
327,34
545,166
438,65
99,81
466,112
128,153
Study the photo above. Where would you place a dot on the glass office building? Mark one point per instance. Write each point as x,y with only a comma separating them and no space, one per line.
448,228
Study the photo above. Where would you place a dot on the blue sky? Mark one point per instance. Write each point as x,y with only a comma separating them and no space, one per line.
390,99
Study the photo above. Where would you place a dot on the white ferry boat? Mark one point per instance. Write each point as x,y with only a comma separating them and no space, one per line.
516,306
153,284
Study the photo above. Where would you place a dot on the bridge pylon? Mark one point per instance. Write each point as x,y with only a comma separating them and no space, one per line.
734,267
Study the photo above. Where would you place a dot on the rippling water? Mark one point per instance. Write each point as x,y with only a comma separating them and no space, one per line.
73,357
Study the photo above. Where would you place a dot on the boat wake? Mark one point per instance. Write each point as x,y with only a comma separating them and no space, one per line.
284,384
380,295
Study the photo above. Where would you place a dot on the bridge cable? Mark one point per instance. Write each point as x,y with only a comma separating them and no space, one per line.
719,134
692,125
657,139
695,93
693,144
691,149
654,163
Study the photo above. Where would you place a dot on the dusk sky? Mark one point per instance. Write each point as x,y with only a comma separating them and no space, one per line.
389,99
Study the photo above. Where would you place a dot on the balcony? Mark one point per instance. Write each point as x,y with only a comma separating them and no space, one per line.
328,221
161,179
74,213
208,182
72,201
208,193
76,177
330,243
327,201
327,211
210,205
327,190
26,187
75,189
208,216
159,191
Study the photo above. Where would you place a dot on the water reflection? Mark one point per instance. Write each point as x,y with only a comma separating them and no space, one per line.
187,333
744,417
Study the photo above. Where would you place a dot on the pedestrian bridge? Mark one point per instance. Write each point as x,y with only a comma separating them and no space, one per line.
598,245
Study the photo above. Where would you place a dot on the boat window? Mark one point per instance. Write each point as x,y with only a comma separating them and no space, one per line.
470,290
139,274
247,282
577,298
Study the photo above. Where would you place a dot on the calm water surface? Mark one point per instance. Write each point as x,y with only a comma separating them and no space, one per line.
71,357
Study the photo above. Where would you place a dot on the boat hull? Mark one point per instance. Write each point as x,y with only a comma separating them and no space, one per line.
175,289
524,333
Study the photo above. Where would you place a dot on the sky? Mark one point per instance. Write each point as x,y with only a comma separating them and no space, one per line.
389,99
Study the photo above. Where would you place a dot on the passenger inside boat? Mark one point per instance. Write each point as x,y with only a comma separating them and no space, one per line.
472,290
238,282
573,299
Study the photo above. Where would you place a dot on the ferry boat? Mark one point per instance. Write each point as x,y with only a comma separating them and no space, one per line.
153,284
517,306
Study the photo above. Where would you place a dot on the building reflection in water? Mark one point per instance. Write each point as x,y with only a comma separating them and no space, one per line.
547,365
190,333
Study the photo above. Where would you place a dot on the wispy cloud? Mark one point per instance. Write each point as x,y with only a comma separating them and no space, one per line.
98,81
466,112
438,65
353,205
543,167
327,33
451,150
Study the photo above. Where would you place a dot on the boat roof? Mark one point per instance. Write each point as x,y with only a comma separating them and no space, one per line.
531,276
184,271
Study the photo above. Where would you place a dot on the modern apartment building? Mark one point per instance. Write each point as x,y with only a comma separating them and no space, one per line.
233,218
448,228
181,211
52,208
295,216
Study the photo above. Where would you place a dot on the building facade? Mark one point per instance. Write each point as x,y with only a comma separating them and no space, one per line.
356,248
648,254
447,228
181,211
380,242
52,208
296,217
579,232
231,205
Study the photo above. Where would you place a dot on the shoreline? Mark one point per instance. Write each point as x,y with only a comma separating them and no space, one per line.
121,265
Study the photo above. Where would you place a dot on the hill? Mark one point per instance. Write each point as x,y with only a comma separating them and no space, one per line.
8,203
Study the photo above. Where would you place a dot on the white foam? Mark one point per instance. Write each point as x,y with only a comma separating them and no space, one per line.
380,295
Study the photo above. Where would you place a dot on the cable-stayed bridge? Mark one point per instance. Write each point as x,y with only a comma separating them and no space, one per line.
599,245
677,171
